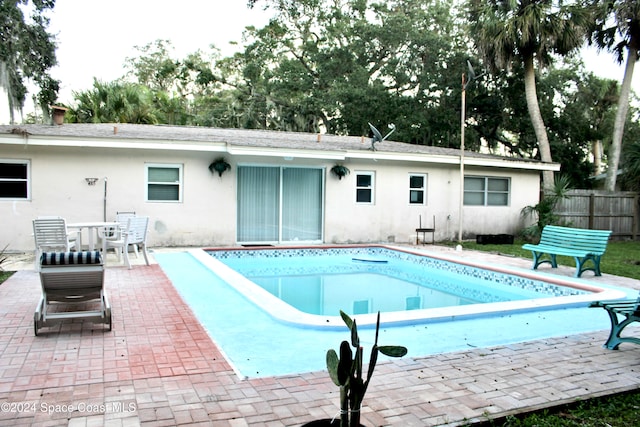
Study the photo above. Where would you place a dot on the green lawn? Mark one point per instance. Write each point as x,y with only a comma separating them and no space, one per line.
620,259
621,410
4,275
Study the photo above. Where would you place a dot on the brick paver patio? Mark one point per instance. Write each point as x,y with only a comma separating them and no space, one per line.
159,367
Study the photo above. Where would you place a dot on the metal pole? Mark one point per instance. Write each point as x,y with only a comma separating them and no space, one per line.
104,204
462,126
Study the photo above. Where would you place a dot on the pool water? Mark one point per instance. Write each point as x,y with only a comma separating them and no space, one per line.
258,344
324,294
325,283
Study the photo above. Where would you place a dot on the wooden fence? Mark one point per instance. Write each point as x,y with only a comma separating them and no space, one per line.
601,210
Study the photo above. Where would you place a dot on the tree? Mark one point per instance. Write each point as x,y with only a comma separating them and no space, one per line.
336,66
182,88
616,27
630,159
27,51
508,32
595,104
115,102
578,108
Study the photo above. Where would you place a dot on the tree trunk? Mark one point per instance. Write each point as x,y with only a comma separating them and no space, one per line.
597,156
536,120
621,117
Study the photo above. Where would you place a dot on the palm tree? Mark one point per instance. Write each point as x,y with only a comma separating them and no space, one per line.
597,99
115,102
618,34
631,177
509,32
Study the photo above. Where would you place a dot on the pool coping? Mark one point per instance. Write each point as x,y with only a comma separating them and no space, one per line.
285,313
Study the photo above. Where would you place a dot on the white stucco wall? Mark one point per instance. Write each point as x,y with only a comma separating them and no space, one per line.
207,214
393,218
58,187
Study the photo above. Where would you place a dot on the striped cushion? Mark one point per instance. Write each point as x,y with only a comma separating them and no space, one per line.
65,258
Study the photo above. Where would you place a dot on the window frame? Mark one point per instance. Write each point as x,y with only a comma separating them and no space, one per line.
486,192
422,189
179,183
27,180
370,188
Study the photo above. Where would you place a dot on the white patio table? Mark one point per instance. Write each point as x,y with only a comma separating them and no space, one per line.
92,227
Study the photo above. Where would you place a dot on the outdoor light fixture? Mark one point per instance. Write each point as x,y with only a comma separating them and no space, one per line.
91,181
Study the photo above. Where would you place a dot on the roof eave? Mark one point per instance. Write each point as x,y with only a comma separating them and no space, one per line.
243,150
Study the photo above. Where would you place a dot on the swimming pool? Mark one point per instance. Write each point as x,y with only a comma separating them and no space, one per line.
256,344
464,290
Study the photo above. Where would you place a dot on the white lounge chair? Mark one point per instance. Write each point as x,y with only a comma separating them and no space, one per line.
72,278
134,235
51,234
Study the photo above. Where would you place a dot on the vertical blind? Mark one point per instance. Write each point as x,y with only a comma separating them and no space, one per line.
258,200
279,204
301,204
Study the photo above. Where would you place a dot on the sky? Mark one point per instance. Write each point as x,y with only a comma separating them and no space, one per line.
94,37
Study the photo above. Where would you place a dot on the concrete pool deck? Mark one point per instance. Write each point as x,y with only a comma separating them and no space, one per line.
159,367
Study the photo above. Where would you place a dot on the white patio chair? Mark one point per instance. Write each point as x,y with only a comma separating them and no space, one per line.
50,234
71,278
111,233
133,235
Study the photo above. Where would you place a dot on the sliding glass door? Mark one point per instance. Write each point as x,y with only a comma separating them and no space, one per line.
258,204
279,204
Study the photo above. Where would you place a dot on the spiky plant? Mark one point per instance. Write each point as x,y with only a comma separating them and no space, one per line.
346,370
544,211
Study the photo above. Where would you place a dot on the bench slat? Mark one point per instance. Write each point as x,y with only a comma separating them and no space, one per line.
586,246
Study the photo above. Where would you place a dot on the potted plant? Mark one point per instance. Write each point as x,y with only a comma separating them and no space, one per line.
345,370
219,165
340,171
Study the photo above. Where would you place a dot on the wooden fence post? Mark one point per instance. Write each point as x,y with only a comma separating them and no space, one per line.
634,220
592,199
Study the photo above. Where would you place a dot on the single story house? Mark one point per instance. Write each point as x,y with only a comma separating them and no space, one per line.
278,188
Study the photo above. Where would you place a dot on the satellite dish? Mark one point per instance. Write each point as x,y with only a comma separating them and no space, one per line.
472,74
377,136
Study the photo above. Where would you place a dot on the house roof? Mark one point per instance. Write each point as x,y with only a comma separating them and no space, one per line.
248,142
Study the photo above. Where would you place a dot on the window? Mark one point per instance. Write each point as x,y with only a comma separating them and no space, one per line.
364,187
417,189
14,179
164,183
486,191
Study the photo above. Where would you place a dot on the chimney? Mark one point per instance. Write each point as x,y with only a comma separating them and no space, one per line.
57,114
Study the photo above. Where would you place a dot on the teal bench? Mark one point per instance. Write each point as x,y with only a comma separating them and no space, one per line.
616,309
586,246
